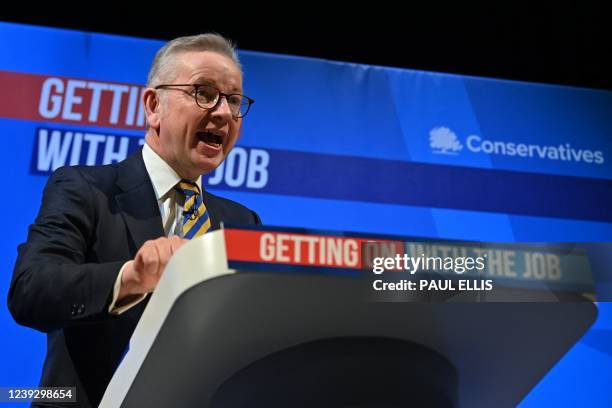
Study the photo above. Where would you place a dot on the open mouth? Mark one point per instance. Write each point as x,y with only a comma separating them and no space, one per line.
210,139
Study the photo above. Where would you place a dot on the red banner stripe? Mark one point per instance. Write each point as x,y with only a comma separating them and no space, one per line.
71,100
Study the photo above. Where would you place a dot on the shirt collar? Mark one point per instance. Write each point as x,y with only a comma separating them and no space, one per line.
163,177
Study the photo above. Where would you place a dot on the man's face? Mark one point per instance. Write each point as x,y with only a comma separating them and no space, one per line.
191,140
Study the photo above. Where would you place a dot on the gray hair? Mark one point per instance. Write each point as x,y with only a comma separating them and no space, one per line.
162,66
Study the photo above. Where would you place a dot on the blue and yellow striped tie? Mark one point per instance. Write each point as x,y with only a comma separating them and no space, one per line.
195,216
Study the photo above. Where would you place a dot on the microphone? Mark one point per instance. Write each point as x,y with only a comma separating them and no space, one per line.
192,213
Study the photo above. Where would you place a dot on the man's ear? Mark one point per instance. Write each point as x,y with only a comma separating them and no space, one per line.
150,99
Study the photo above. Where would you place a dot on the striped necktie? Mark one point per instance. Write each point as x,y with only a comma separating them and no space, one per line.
195,216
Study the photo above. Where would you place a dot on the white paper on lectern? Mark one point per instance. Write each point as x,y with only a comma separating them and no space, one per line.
198,260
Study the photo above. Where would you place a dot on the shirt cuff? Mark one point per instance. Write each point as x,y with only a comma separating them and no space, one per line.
126,304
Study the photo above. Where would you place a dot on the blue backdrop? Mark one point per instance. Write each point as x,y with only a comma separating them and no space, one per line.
334,146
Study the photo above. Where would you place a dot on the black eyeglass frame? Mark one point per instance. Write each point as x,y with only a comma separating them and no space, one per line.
194,93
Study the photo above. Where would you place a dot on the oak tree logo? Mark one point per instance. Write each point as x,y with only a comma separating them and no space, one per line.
442,140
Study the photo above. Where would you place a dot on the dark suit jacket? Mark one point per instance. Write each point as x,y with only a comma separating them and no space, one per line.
91,221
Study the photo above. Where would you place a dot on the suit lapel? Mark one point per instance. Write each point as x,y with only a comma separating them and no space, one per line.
137,201
211,207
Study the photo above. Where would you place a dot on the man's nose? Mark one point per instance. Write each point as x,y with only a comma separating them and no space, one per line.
222,111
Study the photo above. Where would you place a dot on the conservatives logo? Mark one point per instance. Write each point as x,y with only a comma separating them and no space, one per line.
442,140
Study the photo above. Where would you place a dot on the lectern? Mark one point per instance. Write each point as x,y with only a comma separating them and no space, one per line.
220,331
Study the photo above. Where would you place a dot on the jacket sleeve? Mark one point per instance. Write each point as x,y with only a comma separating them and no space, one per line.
54,285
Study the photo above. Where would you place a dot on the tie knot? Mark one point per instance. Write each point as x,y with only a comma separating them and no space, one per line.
189,188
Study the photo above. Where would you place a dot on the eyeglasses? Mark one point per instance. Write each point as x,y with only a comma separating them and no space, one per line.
208,97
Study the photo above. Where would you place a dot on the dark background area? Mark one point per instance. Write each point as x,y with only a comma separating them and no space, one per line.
565,42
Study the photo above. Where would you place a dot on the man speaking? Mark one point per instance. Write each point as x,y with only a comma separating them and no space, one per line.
104,234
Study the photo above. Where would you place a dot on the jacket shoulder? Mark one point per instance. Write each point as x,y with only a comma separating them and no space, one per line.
231,211
105,177
97,175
